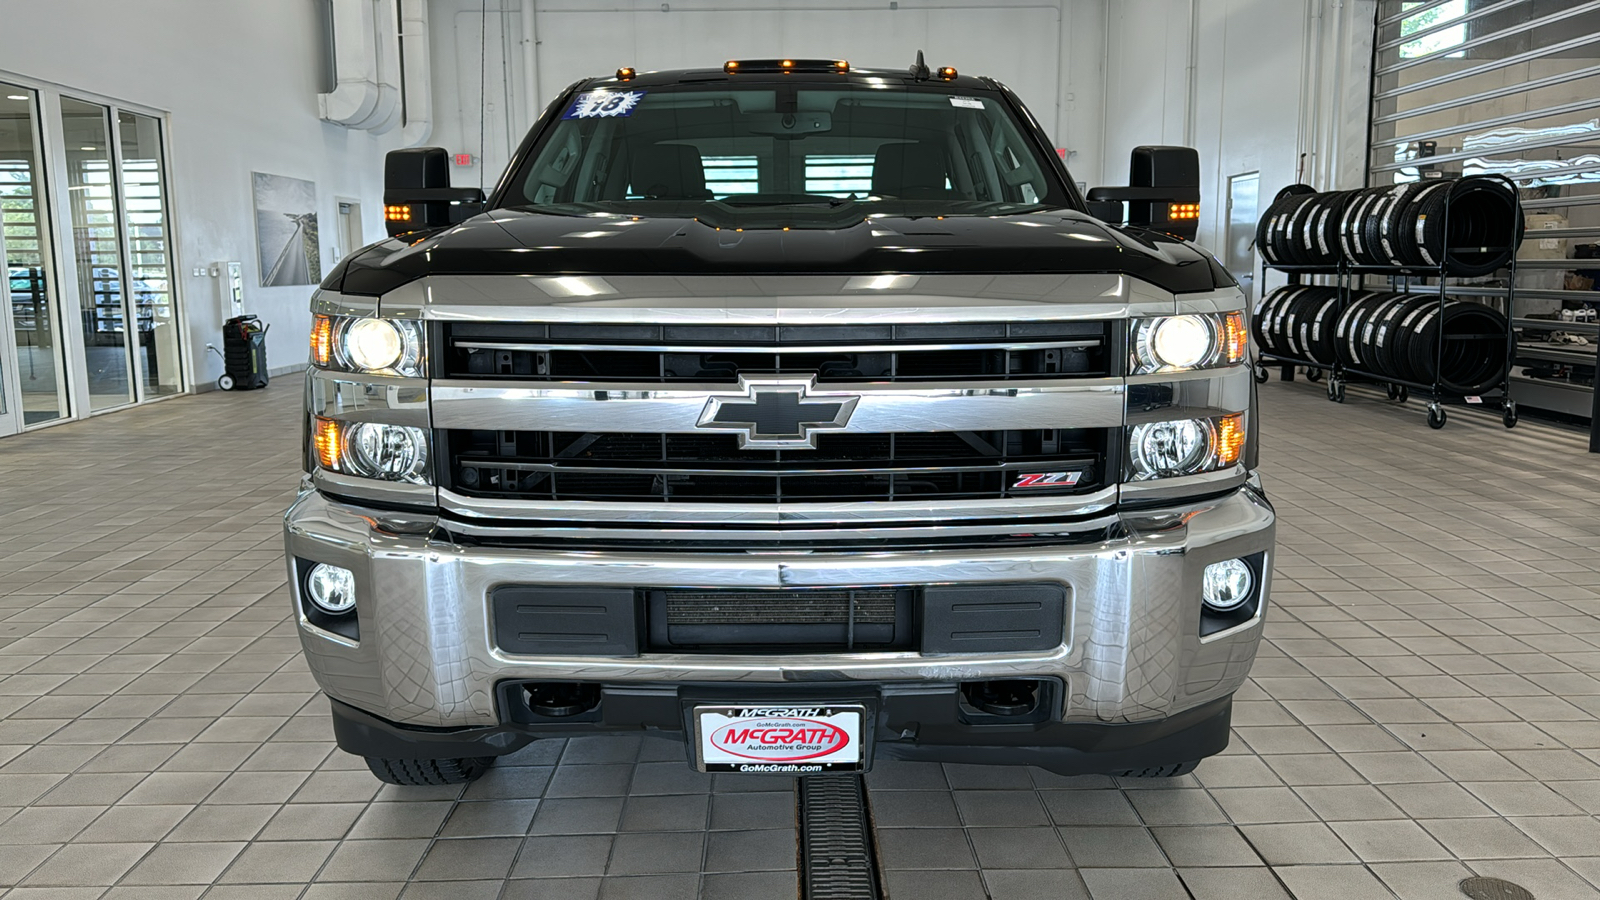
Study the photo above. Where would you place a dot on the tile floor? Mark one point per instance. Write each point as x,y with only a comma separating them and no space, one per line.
1425,707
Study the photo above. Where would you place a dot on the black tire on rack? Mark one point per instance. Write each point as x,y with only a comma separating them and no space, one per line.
1284,327
1352,244
1473,365
1289,247
1264,315
1483,212
1371,227
1390,342
1390,226
1367,340
1295,224
1270,316
1408,348
1322,233
1316,326
1349,326
1409,227
1269,230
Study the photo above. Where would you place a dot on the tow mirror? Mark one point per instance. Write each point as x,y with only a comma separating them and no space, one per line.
1163,192
417,194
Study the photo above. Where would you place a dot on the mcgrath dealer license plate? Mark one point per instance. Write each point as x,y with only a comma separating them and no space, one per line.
784,740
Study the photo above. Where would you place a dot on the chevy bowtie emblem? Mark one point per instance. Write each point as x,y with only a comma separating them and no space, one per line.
778,413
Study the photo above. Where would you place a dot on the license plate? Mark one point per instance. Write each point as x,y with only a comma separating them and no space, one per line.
782,740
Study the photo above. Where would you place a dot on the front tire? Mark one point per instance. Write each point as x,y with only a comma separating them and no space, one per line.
425,772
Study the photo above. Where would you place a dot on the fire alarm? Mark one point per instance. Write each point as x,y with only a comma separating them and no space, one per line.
463,159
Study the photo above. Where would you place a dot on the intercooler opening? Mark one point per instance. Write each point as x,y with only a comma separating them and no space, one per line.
781,621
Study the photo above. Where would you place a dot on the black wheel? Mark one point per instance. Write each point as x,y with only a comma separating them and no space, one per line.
225,382
1510,415
423,772
1262,374
1336,390
1171,770
1313,375
1436,416
1393,391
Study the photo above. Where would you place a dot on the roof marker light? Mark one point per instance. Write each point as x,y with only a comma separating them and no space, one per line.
626,73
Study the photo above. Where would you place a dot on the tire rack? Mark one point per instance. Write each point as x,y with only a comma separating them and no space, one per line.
1351,278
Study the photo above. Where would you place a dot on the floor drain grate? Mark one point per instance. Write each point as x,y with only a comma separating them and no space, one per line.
835,840
1482,888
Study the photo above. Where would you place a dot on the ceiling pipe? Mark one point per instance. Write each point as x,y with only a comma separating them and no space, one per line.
530,61
416,73
366,60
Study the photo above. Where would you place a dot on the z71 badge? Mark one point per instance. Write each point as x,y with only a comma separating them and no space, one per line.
1046,479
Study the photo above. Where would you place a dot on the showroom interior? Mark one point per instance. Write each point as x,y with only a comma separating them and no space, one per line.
1396,478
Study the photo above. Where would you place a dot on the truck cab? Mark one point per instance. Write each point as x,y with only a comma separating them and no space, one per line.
806,413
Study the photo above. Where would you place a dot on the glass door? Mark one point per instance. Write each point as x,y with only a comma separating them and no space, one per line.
96,254
155,319
33,384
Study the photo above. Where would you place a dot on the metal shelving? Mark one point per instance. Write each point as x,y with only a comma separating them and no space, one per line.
1351,278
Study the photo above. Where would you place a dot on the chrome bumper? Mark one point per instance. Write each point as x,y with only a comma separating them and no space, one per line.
1131,651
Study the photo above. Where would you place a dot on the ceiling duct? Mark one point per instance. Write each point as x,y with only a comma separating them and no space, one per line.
366,64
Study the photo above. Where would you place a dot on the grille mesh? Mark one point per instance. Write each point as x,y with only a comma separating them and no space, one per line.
873,606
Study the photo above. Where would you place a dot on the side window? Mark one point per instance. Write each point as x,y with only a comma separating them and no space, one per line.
548,179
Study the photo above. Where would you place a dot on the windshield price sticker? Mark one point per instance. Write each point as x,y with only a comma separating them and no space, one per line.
604,104
966,102
782,740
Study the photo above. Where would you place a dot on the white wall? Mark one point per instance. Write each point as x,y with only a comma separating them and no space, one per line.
1253,84
1048,51
239,81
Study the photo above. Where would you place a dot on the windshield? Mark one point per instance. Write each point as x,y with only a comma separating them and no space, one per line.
697,149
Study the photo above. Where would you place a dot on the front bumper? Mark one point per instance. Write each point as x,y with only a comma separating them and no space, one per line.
1131,651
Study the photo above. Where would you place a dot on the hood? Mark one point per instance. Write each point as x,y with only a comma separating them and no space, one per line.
518,242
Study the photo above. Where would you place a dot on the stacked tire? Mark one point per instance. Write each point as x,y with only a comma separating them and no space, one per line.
1389,335
1401,225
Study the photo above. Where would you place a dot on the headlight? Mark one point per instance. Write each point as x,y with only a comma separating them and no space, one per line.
369,346
1184,447
1180,343
373,450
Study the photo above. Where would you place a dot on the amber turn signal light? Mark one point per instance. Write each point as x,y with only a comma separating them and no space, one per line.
1235,337
1183,211
321,340
1230,440
397,212
326,438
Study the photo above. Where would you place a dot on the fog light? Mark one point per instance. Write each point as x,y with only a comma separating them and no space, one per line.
332,589
1227,585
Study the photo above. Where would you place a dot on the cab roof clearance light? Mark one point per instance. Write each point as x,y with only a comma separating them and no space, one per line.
626,73
785,66
948,73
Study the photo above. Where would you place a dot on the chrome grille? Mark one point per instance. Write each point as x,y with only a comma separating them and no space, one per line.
711,468
715,354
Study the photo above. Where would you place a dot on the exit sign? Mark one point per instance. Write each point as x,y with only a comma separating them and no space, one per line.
462,159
